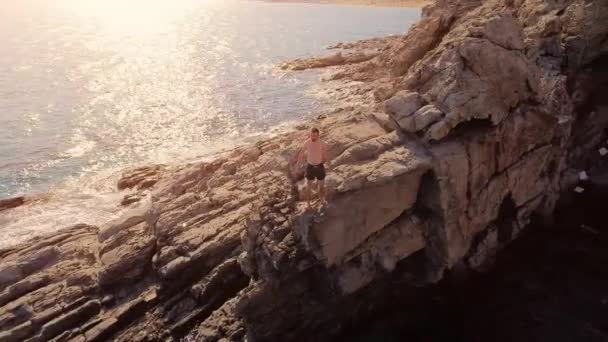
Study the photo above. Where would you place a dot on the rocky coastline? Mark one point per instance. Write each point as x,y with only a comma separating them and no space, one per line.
477,122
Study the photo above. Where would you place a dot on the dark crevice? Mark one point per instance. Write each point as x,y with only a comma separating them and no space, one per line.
506,219
428,209
475,126
427,202
497,154
468,176
485,244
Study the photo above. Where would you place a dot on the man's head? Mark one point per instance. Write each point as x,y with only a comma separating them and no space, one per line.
314,134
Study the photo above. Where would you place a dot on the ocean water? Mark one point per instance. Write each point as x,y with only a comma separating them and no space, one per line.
92,87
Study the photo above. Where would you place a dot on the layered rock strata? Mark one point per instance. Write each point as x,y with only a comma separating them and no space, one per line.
486,112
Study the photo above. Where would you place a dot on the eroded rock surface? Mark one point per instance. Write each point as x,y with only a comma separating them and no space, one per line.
484,111
328,61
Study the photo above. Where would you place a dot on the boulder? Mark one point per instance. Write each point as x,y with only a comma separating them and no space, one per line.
402,106
422,118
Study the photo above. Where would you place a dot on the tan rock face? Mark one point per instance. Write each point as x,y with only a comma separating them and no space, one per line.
422,118
483,110
403,105
391,180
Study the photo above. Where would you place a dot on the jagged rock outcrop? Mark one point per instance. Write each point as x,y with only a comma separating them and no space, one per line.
140,179
487,109
327,61
349,54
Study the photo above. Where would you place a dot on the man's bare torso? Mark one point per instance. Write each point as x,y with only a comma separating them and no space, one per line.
315,152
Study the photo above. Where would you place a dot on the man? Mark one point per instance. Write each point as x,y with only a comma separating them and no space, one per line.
316,156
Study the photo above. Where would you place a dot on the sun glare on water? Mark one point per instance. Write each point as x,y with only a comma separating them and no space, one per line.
135,17
90,88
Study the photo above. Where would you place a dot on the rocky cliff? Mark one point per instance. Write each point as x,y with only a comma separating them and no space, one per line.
482,115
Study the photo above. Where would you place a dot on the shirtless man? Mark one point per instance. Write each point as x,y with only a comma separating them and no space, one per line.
316,156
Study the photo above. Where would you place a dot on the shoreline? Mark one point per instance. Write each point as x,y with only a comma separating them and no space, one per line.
372,3
21,202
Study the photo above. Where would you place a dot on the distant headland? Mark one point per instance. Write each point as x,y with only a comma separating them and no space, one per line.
392,3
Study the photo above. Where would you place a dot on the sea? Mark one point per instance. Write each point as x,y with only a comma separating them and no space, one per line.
90,88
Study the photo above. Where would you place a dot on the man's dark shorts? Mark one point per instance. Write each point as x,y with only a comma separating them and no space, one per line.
315,171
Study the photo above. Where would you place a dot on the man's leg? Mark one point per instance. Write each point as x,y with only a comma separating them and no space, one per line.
321,181
321,185
307,191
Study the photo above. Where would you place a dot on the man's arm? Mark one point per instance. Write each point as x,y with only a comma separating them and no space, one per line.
325,154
